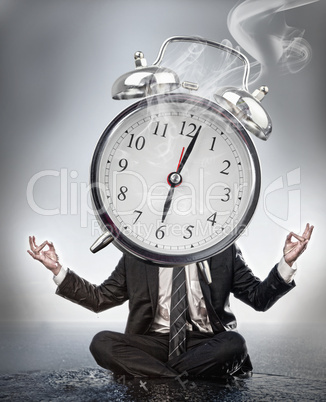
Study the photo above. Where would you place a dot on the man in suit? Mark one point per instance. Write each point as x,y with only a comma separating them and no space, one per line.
212,346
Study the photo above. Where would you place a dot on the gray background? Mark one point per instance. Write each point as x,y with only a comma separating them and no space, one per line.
58,62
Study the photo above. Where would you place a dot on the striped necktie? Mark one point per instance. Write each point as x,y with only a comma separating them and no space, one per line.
178,311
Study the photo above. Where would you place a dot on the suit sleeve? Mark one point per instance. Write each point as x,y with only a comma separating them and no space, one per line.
110,293
260,295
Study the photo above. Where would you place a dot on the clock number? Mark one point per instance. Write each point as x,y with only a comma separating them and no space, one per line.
189,230
192,129
156,131
212,218
139,142
227,194
139,213
213,144
123,163
159,233
224,171
122,195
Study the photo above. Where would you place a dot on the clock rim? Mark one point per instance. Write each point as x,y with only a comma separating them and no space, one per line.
121,241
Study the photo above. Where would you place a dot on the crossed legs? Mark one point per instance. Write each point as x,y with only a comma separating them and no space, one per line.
147,355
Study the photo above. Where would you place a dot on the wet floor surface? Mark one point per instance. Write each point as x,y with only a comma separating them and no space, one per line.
43,362
92,384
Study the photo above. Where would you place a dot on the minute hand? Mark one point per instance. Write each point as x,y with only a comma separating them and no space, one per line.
188,152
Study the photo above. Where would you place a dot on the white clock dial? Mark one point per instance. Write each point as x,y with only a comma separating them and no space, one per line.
175,178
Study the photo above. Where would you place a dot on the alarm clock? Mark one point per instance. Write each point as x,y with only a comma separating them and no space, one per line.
175,177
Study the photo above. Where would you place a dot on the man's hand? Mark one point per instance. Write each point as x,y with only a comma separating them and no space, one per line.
293,249
48,257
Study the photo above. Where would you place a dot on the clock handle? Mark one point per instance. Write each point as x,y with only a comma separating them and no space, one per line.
104,240
207,42
155,79
205,271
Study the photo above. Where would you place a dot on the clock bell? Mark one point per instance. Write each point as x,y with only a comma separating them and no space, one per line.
155,79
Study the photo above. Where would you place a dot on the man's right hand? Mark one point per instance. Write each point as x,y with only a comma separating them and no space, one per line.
48,257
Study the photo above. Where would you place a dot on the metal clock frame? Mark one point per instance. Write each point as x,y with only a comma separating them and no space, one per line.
120,240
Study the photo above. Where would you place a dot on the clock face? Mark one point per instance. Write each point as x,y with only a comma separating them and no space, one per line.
175,179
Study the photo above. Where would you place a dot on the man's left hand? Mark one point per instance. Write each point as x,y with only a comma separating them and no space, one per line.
293,249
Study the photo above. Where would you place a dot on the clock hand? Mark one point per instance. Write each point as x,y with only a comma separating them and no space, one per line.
168,202
183,149
173,180
187,153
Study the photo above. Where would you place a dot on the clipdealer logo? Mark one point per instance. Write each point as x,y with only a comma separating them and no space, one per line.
74,196
282,201
281,198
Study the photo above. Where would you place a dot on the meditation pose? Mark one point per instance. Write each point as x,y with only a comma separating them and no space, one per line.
177,321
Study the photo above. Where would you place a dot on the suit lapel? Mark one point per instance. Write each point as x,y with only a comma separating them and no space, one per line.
215,321
205,288
152,283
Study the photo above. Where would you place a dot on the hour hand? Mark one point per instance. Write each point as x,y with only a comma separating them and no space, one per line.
174,180
167,203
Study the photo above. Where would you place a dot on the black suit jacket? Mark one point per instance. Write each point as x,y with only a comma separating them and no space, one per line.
137,281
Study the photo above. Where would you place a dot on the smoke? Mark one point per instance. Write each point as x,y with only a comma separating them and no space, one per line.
260,28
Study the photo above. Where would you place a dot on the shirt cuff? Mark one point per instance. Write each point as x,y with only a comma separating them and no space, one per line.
286,272
58,279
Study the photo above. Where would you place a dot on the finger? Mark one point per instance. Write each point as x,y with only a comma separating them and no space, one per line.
298,237
289,236
35,256
289,242
36,248
39,248
306,231
51,246
31,254
310,232
290,249
303,247
32,243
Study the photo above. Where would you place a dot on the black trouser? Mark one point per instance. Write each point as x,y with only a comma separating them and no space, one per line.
147,355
